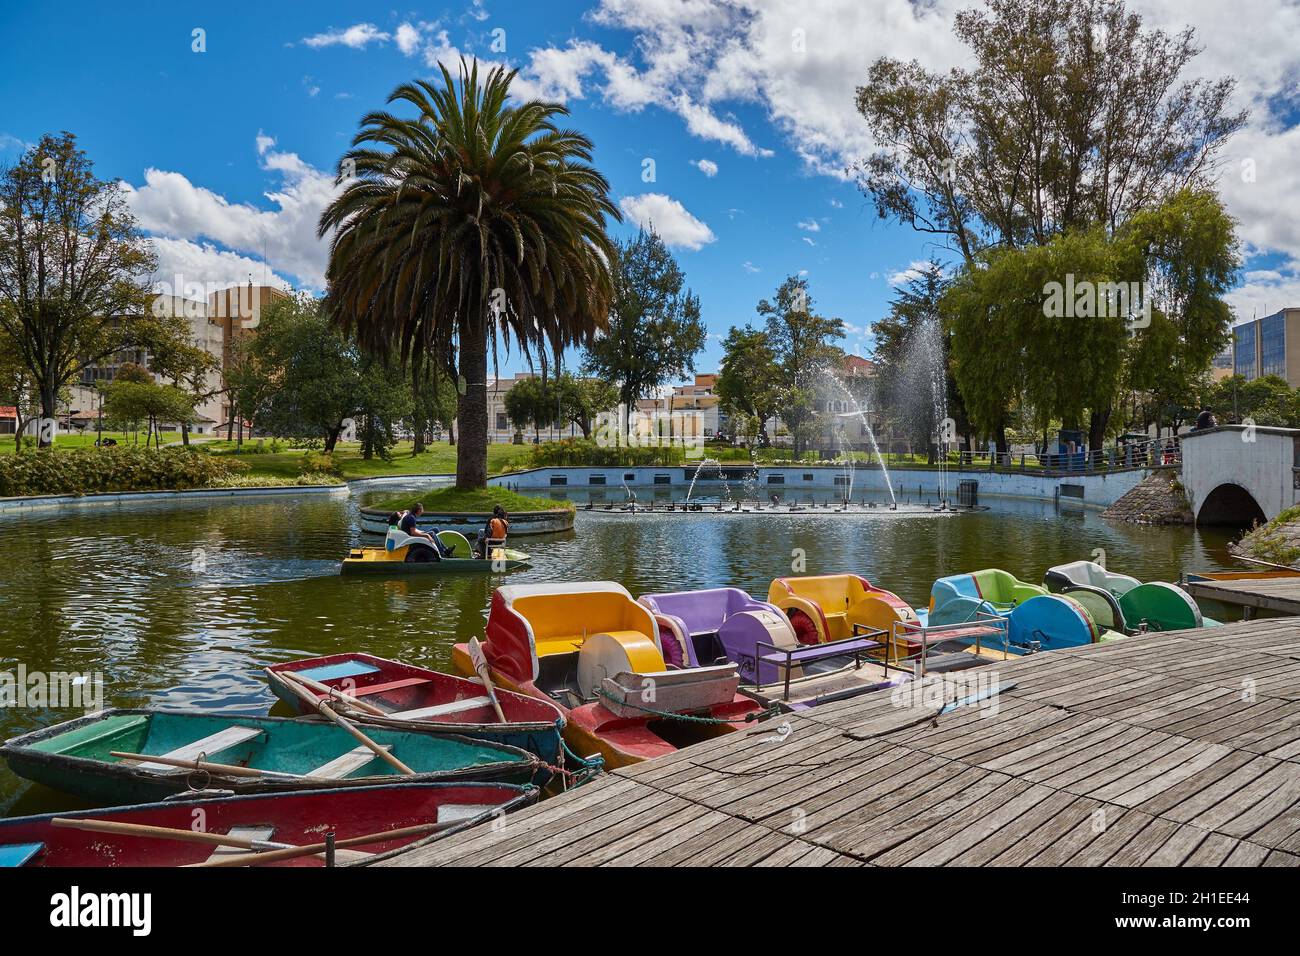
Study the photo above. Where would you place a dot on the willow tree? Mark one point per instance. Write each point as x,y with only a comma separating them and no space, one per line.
473,222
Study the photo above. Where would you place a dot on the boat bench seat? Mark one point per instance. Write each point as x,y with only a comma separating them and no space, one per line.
17,854
347,763
384,688
209,746
441,710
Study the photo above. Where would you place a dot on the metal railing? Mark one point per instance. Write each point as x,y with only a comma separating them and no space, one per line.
983,629
1149,454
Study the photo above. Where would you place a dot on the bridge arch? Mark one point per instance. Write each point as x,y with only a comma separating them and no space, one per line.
1230,505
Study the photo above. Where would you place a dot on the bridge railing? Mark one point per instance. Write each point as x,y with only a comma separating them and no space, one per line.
1126,457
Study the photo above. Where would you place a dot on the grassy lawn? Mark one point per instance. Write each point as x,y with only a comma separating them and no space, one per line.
87,440
439,459
438,500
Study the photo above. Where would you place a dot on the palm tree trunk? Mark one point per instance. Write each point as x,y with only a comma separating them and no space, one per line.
471,408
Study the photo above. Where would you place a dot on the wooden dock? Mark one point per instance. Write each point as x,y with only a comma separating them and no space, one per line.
1159,750
1280,594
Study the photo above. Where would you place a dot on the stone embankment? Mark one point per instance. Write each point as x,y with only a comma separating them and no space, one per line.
1157,499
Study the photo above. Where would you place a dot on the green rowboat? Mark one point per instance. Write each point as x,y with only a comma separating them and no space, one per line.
293,754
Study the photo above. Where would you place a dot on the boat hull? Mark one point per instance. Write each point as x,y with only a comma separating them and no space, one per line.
75,756
376,561
295,818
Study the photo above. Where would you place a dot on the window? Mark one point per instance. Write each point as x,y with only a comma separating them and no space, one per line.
1244,336
807,476
595,479
776,479
663,479
841,479
1272,345
628,476
501,422
559,479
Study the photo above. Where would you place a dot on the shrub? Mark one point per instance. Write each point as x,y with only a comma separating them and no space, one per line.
320,463
583,451
87,471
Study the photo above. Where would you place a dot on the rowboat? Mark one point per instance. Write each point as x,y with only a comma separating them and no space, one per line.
596,654
413,698
293,819
196,750
411,554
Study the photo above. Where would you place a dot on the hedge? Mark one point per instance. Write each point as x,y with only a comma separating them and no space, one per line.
86,471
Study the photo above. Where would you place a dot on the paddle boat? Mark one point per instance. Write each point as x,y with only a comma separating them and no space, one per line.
412,698
726,625
597,654
134,756
1124,604
403,816
833,607
410,554
1036,619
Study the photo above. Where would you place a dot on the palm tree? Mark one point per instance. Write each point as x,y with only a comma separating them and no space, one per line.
473,221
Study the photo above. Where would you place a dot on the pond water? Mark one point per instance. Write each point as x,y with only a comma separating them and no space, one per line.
181,605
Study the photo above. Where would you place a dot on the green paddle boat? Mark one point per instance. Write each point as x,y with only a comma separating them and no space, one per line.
107,756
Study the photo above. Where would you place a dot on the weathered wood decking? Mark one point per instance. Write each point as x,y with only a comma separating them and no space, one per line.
1265,594
1175,749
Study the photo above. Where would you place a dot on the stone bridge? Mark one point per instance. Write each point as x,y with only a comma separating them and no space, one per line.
1239,474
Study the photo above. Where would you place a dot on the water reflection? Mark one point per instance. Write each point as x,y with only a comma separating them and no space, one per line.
120,591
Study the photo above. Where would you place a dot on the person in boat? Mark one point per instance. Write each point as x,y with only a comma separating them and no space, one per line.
494,534
409,524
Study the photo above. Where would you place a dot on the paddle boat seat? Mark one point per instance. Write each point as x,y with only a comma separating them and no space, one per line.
1087,574
959,598
18,854
827,607
692,623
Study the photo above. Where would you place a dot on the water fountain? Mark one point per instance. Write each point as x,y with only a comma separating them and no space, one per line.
858,413
927,381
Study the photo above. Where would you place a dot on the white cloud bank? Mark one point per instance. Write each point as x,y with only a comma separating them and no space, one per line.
669,219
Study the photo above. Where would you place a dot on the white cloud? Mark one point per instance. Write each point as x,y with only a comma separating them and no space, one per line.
177,211
357,37
668,218
182,262
809,240
810,225
707,166
914,270
408,38
750,267
835,203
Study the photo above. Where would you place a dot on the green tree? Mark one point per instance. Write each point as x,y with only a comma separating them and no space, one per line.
749,383
654,330
581,400
1267,400
130,398
475,218
18,386
1073,117
804,344
383,398
531,403
433,402
73,266
298,377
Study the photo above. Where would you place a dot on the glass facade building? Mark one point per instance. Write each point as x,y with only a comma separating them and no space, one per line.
1244,345
1272,345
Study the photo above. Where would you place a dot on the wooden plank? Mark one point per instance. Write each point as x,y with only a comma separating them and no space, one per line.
347,763
209,746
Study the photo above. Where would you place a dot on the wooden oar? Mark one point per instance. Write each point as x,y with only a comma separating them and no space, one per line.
181,836
223,768
332,693
479,660
273,856
302,691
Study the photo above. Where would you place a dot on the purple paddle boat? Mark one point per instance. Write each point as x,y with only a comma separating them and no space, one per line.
717,625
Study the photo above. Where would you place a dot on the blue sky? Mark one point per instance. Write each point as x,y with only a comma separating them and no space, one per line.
228,151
